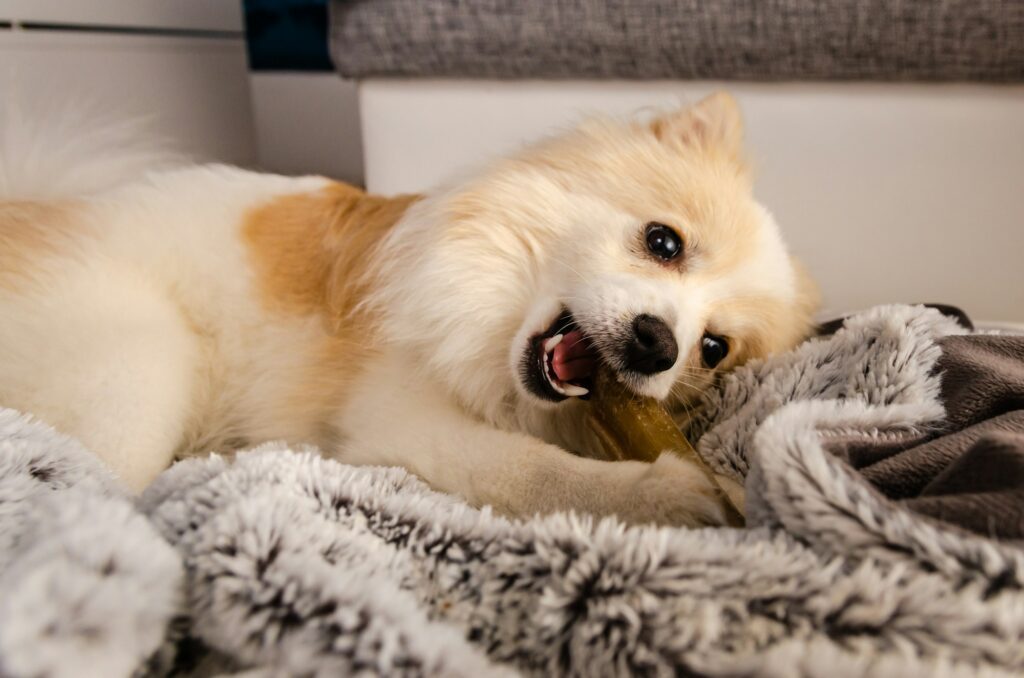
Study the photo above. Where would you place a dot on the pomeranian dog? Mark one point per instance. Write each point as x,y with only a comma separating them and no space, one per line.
206,309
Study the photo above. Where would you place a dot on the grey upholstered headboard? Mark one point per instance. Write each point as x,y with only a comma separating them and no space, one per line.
927,40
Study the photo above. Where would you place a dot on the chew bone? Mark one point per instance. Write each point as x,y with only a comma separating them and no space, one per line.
630,426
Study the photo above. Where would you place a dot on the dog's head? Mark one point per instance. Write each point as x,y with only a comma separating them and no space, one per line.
638,245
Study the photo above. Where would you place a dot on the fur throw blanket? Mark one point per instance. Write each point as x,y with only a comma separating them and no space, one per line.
279,562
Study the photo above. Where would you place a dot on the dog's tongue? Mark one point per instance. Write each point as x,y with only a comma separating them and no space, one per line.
573,358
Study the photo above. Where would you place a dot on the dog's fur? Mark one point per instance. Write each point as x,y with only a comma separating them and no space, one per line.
209,308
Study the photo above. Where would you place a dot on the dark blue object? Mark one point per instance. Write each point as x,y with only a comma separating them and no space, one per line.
287,35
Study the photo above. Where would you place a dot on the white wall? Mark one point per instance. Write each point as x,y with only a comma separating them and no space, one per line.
308,123
203,15
888,192
184,67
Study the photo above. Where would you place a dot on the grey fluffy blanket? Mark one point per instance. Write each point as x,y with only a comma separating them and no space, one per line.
282,563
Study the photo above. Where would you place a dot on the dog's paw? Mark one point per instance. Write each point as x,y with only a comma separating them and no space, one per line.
676,492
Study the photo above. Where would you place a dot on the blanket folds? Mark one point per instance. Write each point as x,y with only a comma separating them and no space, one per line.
280,562
973,474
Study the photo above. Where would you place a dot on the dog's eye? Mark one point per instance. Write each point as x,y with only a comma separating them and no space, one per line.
713,349
662,241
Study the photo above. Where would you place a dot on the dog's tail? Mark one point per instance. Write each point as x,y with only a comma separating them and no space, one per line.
65,149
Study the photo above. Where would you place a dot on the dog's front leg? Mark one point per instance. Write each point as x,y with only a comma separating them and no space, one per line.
418,427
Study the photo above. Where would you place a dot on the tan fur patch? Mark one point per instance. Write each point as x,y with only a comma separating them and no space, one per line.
312,253
311,250
29,233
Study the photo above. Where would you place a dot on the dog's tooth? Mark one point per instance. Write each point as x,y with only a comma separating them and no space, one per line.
574,390
551,342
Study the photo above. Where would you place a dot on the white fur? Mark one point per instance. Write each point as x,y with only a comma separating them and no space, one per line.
55,149
147,339
107,347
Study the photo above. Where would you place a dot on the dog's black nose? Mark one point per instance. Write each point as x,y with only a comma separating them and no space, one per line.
652,348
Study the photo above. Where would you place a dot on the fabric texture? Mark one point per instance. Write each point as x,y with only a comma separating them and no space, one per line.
285,563
87,586
972,476
954,40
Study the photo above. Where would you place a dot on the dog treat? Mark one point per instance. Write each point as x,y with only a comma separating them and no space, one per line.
638,428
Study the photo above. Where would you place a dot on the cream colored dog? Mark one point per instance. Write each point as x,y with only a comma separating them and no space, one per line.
211,308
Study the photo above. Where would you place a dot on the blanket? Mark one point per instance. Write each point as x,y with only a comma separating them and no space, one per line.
972,474
281,562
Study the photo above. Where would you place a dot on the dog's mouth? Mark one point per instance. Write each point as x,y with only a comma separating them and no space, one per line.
558,363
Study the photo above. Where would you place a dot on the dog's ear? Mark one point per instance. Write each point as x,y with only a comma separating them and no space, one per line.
714,123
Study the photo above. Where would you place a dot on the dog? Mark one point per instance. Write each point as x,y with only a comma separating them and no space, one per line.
210,308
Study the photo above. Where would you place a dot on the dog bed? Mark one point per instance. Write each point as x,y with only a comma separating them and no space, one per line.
883,474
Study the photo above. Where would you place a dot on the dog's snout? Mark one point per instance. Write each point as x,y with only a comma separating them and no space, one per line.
652,347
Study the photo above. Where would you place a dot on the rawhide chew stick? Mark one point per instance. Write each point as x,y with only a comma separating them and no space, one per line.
639,428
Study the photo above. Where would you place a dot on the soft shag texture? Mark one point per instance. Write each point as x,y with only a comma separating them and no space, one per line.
297,565
87,586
